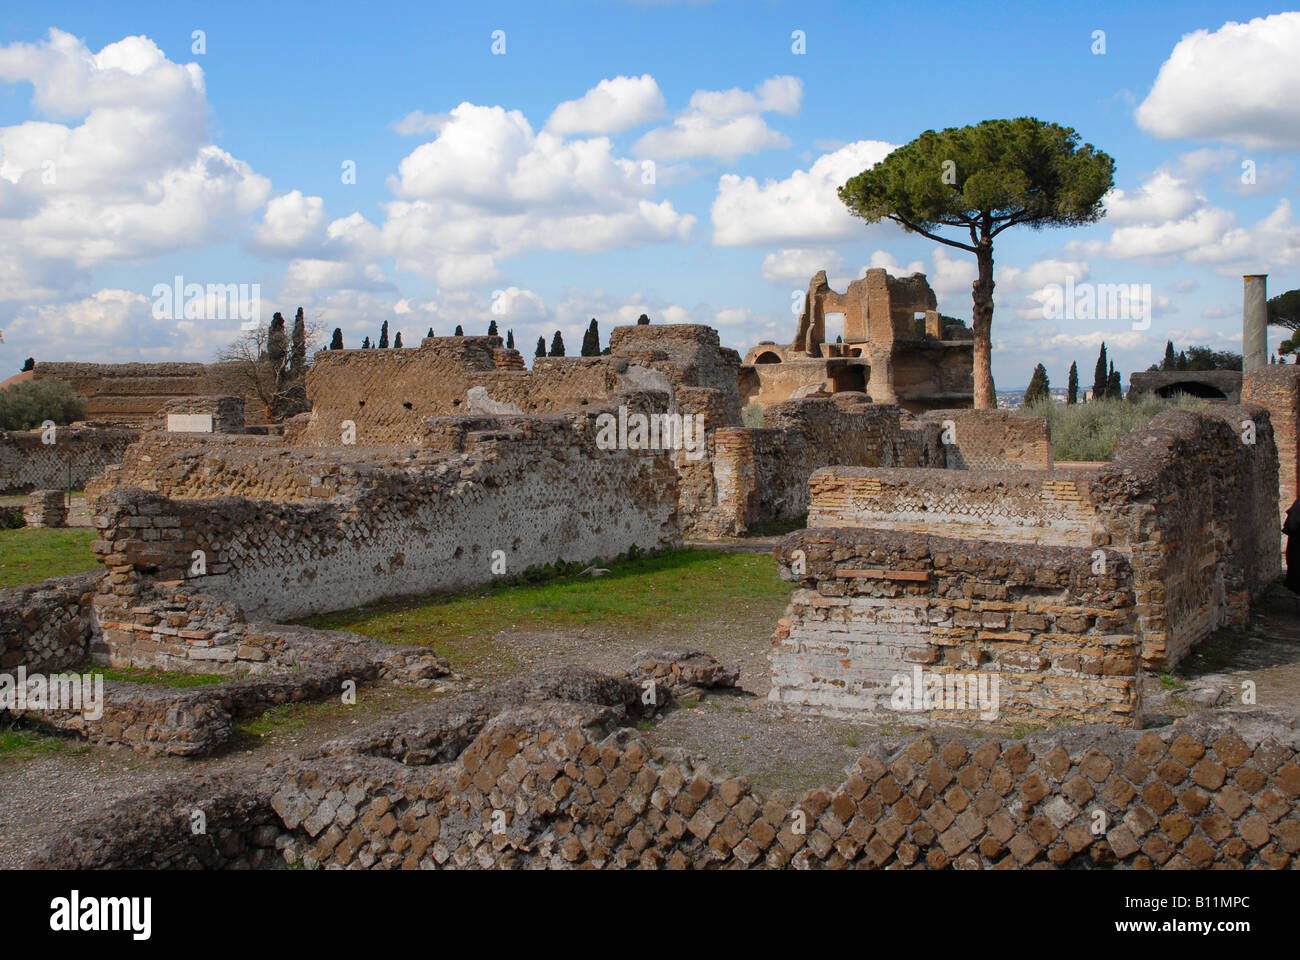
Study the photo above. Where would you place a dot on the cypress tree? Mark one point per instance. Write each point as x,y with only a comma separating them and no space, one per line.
643,321
298,355
510,339
492,329
1038,386
1114,390
383,336
1072,396
277,344
591,340
336,342
365,344
1170,358
557,345
430,333
459,332
28,364
541,347
397,341
1099,375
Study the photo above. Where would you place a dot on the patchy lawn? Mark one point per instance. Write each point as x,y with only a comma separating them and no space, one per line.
32,555
168,678
671,593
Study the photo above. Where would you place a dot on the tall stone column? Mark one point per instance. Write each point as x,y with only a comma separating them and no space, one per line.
1254,321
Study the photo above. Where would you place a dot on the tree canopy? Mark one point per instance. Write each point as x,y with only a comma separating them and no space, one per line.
981,180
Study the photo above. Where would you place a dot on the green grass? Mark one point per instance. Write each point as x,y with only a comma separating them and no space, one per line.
777,528
21,744
1088,431
169,678
286,716
32,555
672,591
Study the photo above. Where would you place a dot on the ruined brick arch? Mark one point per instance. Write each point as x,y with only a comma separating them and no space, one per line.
768,356
1193,388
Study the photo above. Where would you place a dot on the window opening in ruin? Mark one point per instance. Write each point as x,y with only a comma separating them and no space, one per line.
767,357
407,405
834,327
1192,388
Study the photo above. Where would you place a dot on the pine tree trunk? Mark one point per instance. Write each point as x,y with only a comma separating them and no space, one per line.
981,323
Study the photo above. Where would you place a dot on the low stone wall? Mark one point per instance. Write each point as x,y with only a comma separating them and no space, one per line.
28,463
548,774
50,626
1033,630
1196,795
538,491
199,466
190,722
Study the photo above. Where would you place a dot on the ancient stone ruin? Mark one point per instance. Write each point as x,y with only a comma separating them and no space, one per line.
939,544
880,353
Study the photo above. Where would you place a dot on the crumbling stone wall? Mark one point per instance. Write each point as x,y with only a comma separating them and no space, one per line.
27,463
203,415
190,466
994,439
762,474
874,604
46,508
1210,384
1187,502
387,393
538,491
1028,505
1190,499
548,774
1276,388
133,394
50,626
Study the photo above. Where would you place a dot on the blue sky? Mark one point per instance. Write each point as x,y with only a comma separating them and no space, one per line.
474,198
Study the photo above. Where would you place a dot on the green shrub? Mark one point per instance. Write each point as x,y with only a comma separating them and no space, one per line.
752,415
1088,431
27,405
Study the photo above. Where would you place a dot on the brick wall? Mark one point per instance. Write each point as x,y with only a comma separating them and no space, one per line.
1276,388
133,394
762,474
569,795
1186,501
872,605
48,627
539,491
994,439
27,463
1190,503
